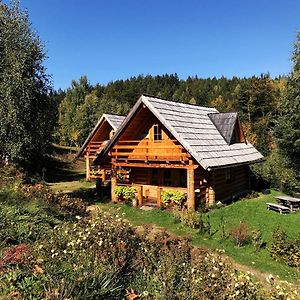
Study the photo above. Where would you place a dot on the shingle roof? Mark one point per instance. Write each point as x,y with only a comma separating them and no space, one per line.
194,129
114,120
225,123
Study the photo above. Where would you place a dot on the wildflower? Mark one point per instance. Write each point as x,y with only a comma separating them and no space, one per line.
78,217
38,269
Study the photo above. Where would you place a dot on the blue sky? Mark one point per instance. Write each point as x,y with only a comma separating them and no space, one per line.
116,39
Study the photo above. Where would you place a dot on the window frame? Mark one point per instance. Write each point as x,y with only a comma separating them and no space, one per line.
157,133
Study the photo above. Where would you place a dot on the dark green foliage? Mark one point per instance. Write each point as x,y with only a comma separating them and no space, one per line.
254,98
288,126
276,171
27,112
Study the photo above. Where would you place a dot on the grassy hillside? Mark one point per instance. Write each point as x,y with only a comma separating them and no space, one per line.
252,211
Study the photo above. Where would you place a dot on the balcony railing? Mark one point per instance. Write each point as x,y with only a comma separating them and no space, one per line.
94,148
145,150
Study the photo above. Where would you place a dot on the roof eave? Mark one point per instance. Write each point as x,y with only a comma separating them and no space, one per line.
90,136
259,160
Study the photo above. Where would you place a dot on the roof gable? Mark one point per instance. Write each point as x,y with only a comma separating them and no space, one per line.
194,129
113,120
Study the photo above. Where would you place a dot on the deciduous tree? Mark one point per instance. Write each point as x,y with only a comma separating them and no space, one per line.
26,110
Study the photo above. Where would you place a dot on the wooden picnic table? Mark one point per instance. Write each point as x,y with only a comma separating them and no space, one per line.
291,202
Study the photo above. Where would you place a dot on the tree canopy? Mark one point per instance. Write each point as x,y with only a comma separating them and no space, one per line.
288,126
26,109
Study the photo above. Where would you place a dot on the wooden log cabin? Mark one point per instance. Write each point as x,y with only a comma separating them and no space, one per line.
165,145
94,144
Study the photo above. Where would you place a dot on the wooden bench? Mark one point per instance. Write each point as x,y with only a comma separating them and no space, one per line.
277,207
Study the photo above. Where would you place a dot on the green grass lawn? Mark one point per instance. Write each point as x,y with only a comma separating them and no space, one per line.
71,186
252,211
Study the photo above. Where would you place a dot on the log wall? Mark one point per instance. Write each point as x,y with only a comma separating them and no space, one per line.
230,182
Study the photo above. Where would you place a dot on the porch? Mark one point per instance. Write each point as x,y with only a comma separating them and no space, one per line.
150,183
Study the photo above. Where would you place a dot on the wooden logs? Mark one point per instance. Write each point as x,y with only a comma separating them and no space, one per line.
87,167
113,181
190,188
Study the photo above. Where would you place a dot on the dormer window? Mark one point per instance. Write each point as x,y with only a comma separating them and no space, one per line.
157,133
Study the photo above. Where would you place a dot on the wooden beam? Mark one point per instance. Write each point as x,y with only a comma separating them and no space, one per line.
153,165
87,167
159,189
113,181
139,190
191,186
211,196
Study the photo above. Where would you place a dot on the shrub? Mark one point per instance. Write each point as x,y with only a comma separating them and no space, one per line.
285,249
172,196
101,257
125,192
277,172
257,241
192,219
240,234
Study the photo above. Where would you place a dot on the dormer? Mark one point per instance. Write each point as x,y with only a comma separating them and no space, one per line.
229,126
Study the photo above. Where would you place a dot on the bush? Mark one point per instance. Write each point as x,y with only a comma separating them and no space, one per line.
257,241
172,196
285,249
193,219
125,192
277,172
101,257
240,234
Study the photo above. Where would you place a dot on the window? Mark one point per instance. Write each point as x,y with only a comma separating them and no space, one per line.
167,178
157,133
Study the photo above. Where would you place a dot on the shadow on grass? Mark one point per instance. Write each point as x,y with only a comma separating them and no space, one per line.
60,170
93,195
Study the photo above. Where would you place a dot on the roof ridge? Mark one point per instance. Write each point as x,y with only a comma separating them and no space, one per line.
179,101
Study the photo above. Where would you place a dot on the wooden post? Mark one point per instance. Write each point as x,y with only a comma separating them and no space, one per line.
139,190
211,196
87,167
103,175
113,181
158,201
190,187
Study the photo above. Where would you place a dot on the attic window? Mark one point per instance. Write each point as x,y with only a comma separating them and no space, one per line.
157,133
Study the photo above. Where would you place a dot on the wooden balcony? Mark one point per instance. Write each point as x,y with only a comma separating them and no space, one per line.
137,150
94,148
